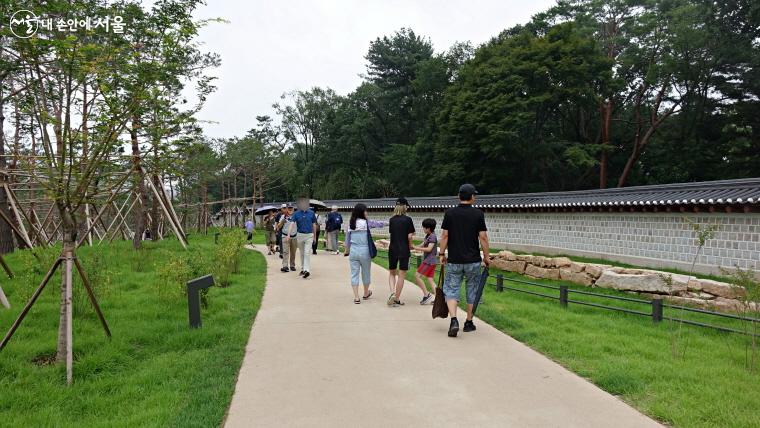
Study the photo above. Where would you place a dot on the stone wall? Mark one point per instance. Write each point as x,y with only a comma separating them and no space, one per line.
653,240
676,288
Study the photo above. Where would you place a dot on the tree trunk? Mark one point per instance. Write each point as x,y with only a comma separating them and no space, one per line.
139,210
606,120
69,227
6,233
154,208
154,214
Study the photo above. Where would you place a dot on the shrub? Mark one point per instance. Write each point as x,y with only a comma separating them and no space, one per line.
173,273
96,268
227,255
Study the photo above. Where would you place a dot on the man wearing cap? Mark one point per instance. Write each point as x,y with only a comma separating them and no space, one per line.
289,246
278,220
333,225
464,234
401,229
304,225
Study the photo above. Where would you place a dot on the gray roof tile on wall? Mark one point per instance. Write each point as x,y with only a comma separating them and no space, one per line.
723,192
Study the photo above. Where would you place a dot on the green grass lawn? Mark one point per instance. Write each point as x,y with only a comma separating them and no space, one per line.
155,371
631,357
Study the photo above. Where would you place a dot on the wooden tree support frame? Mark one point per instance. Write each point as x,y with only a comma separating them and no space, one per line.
3,298
21,233
32,232
70,262
166,207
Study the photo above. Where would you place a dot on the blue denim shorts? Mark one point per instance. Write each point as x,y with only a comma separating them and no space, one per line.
455,273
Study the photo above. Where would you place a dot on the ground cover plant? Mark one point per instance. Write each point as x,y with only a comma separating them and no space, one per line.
155,371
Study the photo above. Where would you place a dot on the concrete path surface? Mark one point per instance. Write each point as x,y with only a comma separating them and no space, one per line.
316,359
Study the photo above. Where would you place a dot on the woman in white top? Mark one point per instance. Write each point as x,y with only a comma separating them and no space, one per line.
357,249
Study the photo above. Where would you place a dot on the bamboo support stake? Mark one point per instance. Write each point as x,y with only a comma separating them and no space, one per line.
180,237
4,300
30,303
20,221
91,295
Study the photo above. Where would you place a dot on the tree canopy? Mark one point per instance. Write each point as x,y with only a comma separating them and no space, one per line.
587,94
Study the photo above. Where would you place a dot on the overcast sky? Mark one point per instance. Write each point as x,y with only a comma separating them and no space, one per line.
270,47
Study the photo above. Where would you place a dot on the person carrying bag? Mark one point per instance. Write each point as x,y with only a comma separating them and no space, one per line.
440,310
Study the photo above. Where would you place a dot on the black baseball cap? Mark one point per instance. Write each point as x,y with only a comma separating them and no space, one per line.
402,201
467,189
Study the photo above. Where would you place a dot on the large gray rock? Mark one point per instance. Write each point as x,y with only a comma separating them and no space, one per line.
727,305
539,272
524,258
595,270
560,262
687,301
567,274
717,288
646,282
515,266
577,267
509,265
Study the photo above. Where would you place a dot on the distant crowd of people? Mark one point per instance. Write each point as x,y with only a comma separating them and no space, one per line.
463,236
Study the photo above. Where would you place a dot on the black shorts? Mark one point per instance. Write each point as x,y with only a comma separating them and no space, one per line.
394,262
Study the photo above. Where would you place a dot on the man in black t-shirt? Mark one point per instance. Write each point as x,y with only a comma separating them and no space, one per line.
464,234
401,229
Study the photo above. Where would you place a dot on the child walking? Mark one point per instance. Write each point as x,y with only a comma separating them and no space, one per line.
426,269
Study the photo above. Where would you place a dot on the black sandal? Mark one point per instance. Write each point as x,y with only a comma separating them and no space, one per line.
357,301
368,295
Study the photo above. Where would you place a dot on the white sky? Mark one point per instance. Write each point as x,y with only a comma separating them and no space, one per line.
270,47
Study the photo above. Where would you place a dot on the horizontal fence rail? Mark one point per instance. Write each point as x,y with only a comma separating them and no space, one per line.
656,311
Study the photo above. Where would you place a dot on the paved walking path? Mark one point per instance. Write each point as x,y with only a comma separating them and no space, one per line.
316,359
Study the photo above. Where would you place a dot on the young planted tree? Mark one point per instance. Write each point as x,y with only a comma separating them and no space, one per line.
167,57
86,90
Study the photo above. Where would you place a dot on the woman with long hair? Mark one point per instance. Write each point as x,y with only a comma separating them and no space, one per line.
401,230
357,249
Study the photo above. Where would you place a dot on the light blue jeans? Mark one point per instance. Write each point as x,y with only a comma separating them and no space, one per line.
455,273
359,259
360,263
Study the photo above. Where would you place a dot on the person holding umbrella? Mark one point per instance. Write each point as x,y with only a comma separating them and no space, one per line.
463,234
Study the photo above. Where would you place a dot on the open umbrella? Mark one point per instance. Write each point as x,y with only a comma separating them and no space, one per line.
481,286
266,209
316,204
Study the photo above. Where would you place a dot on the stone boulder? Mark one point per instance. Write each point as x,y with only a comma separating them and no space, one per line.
527,258
726,305
499,263
515,266
540,272
687,301
717,288
645,282
561,262
383,243
595,270
577,267
567,274
508,265
507,255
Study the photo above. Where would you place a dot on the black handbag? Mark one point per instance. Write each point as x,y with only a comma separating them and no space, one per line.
440,309
371,244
